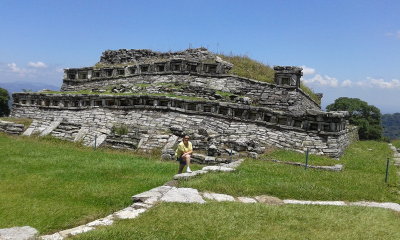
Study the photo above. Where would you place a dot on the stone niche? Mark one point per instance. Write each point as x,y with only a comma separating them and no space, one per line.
288,75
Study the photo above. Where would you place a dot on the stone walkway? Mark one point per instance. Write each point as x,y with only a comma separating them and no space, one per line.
144,201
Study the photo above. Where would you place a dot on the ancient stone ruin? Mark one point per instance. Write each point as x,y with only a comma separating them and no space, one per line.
141,99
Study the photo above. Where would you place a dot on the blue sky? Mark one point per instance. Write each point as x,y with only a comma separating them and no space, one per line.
347,48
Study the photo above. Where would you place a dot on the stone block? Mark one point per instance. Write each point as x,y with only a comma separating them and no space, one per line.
55,236
75,231
182,195
102,222
18,233
129,213
219,197
304,202
246,200
269,200
217,169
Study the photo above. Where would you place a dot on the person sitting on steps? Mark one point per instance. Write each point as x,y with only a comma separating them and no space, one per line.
183,153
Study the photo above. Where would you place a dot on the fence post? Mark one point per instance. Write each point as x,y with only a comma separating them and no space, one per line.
95,141
307,152
387,170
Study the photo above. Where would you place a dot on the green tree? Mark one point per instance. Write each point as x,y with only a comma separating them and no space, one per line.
366,117
4,98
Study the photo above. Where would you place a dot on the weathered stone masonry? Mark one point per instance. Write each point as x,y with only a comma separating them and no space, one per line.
324,133
280,114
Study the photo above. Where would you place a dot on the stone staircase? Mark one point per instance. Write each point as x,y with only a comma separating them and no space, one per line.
67,131
128,141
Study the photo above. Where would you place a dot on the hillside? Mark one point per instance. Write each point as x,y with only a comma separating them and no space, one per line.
391,125
244,66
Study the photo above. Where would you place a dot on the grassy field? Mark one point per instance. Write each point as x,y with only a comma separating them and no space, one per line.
254,221
53,185
362,178
396,143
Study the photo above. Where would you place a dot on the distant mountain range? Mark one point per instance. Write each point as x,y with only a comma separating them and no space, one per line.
12,87
391,125
33,86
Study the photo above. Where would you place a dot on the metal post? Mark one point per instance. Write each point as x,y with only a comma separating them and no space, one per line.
95,141
231,155
387,170
307,152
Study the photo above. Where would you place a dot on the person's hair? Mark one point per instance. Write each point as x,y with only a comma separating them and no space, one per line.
186,136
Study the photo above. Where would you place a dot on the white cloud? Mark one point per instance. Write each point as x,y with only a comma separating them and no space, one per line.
37,64
308,70
393,34
346,83
13,67
381,83
322,81
22,72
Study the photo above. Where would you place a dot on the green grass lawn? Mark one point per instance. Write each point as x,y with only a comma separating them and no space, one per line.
396,143
52,185
292,156
361,179
254,221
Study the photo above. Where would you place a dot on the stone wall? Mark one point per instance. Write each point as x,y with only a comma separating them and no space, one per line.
158,125
11,128
310,120
284,98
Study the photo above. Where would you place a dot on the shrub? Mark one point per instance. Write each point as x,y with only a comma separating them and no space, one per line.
120,129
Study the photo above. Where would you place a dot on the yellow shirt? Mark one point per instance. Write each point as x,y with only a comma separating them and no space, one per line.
181,149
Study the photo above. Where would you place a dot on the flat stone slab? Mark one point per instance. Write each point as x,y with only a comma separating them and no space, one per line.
18,233
28,132
219,197
151,195
102,222
246,200
55,236
234,164
269,200
99,140
75,231
183,195
333,203
50,128
217,169
82,132
387,205
140,205
129,213
189,175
